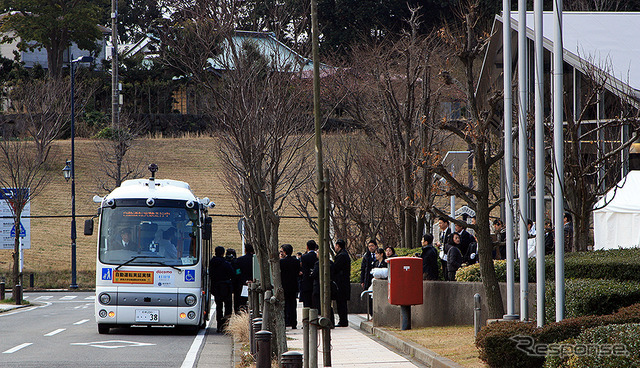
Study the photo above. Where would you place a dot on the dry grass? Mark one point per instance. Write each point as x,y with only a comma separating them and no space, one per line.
455,342
191,159
238,328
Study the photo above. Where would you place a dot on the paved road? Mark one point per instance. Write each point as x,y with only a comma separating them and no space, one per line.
60,331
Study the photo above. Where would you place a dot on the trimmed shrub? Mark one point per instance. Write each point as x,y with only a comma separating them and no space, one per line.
592,297
622,350
498,349
615,264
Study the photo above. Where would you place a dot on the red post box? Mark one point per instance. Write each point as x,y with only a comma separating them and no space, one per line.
405,280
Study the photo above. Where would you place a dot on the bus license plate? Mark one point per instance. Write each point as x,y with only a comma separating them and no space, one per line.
147,315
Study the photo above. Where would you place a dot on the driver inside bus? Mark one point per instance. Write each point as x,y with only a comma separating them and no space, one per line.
125,242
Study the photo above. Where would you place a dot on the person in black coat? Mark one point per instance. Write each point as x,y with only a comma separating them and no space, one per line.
236,287
289,271
367,264
220,275
245,266
465,240
307,261
429,258
340,274
443,244
454,257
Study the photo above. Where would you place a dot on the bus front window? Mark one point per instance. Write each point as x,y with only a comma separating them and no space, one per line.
151,235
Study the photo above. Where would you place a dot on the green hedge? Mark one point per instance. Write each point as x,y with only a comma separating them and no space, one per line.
625,338
498,348
355,264
616,264
592,297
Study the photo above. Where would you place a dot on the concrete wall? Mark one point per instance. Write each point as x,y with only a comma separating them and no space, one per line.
444,304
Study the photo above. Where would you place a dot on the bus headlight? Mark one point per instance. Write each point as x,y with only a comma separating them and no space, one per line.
105,298
102,313
191,314
191,300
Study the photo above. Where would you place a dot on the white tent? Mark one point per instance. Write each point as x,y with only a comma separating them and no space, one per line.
616,218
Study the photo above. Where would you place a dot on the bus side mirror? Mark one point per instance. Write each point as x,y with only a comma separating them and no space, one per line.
206,232
88,227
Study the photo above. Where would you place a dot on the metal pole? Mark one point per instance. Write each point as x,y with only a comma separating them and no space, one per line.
523,178
508,152
326,302
115,94
305,336
313,338
539,164
73,285
405,317
558,144
477,310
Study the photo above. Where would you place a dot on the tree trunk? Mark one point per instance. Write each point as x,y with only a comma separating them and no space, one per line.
17,275
485,246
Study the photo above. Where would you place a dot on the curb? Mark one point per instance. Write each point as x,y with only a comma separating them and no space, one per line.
418,352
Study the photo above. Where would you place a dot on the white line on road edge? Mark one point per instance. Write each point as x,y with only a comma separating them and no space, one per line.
25,309
81,321
192,354
55,332
13,350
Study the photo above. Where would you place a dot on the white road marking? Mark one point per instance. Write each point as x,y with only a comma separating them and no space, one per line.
112,344
55,332
81,322
14,349
44,297
192,354
69,297
92,297
26,309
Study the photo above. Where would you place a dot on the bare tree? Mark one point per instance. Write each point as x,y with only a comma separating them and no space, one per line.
481,132
261,128
389,92
24,172
118,161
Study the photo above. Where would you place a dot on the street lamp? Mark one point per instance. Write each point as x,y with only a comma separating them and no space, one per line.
69,170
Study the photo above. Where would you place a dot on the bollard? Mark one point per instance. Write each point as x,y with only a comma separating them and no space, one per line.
477,308
305,336
2,289
291,359
265,308
252,343
18,293
31,280
257,326
405,316
313,338
263,349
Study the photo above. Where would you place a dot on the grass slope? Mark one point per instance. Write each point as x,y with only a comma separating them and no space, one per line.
191,159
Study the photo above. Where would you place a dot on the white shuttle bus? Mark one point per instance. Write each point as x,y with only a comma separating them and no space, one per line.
154,246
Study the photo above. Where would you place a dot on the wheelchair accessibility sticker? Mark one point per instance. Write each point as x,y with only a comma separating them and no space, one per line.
107,274
190,275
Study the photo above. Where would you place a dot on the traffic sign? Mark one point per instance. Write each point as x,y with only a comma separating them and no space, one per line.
7,225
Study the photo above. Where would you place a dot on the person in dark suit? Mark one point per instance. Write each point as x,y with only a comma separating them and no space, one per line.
289,271
429,258
307,261
549,243
220,275
465,240
367,264
245,265
443,243
340,274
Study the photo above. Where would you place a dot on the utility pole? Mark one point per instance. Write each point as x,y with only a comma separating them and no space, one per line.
115,92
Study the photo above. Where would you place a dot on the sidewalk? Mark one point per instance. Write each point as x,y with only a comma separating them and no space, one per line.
362,345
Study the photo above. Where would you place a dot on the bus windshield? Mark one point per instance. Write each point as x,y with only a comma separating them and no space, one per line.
149,236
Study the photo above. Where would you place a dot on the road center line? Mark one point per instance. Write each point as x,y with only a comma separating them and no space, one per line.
55,332
14,349
81,322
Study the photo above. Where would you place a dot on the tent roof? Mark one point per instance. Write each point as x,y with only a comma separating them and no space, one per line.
623,197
